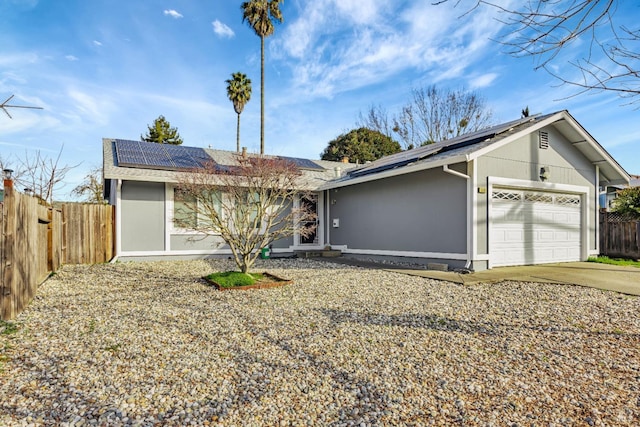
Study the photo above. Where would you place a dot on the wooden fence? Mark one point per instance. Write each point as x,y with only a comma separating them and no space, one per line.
88,233
619,236
36,239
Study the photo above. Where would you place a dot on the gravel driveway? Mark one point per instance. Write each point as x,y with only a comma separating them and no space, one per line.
151,344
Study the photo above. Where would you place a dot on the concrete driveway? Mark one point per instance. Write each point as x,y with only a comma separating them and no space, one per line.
625,280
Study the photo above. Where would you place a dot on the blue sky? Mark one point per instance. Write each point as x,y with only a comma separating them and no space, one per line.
108,68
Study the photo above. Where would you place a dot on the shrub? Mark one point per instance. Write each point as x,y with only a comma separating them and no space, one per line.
627,202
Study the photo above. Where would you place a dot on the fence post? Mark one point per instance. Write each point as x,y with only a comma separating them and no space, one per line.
6,299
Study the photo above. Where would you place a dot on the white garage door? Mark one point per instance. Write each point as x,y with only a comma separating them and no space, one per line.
533,227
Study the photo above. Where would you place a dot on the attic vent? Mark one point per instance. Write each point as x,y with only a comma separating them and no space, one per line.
544,140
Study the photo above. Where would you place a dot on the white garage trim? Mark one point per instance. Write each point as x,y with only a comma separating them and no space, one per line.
540,187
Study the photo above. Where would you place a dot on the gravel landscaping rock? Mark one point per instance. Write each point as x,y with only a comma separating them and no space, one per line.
152,344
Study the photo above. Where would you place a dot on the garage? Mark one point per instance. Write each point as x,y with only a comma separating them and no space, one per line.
534,227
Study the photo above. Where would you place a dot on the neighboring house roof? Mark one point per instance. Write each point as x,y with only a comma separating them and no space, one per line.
473,145
145,161
633,182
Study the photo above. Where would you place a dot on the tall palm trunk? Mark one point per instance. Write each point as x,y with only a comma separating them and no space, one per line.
262,95
238,135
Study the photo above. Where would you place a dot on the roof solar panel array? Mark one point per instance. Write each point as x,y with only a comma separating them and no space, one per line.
303,163
410,156
149,155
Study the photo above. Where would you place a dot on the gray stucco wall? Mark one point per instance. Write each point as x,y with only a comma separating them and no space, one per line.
423,211
142,216
522,159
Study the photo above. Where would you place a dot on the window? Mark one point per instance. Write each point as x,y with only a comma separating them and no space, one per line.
183,210
248,208
190,213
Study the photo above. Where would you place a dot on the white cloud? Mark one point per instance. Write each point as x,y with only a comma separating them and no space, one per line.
18,59
173,13
483,80
89,107
338,46
97,43
71,58
222,29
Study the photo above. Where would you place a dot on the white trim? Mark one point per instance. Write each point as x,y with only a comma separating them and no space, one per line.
290,249
583,191
168,214
411,254
594,144
177,252
474,209
597,217
320,222
170,228
469,201
118,217
543,186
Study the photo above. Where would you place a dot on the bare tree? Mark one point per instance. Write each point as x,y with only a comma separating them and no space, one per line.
435,115
91,188
544,28
249,205
37,174
376,119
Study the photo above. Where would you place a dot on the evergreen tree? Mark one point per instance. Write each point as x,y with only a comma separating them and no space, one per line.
360,145
162,133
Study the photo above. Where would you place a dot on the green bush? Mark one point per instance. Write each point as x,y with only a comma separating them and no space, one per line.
627,202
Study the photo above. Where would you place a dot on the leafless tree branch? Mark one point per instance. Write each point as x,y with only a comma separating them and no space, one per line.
249,205
544,29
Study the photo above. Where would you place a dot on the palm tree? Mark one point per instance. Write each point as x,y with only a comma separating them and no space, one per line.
260,15
239,93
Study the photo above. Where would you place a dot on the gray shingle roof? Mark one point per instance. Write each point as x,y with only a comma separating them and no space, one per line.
315,173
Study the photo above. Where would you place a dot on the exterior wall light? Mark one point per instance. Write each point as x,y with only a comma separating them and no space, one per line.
544,173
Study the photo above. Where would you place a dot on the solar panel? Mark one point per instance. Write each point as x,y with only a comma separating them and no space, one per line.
410,156
303,163
149,155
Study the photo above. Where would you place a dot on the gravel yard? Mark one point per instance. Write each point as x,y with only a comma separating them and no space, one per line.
152,344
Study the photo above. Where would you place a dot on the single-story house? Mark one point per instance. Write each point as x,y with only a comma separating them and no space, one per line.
522,192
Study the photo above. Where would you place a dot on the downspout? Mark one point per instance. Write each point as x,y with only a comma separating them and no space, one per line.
597,217
446,169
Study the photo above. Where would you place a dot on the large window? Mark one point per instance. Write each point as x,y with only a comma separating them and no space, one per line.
192,214
247,209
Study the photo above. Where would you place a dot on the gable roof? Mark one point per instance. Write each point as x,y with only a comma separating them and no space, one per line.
151,162
470,146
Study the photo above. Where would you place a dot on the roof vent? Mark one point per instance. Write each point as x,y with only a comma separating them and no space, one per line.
544,140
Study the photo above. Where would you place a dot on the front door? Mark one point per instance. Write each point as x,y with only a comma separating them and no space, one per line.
310,203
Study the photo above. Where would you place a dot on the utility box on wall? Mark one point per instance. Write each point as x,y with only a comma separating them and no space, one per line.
336,222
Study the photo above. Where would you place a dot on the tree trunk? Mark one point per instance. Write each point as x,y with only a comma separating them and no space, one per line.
261,94
238,135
